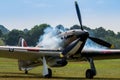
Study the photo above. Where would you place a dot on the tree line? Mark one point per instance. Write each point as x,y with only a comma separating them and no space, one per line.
32,36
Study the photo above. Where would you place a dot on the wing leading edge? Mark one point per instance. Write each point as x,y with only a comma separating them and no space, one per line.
101,54
27,53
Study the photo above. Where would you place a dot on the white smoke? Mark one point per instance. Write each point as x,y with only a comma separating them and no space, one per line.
92,45
50,38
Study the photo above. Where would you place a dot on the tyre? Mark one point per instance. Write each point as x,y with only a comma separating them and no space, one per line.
89,74
49,75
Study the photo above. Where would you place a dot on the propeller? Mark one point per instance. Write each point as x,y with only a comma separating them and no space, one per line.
96,40
79,15
101,42
70,46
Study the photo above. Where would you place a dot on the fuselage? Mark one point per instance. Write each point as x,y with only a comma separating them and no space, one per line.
74,38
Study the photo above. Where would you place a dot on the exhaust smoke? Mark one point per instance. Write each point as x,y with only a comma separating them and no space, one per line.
50,38
92,45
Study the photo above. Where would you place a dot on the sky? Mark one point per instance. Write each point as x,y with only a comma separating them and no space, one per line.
21,14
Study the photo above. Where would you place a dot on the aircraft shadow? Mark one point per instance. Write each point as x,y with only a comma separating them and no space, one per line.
19,75
39,76
82,78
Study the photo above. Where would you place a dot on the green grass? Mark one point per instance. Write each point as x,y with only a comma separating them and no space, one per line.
106,69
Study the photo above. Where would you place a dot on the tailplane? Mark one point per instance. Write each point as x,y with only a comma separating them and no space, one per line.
22,42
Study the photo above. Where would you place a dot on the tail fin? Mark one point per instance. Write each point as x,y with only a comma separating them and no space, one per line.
22,42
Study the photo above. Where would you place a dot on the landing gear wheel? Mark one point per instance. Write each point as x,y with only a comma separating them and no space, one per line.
89,74
49,75
26,72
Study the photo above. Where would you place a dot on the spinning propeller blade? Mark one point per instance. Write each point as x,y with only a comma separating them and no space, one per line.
78,14
70,46
98,41
101,42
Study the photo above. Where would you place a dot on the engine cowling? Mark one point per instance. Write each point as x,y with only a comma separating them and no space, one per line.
57,63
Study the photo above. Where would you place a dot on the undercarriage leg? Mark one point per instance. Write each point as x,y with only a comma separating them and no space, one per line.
90,73
47,72
26,71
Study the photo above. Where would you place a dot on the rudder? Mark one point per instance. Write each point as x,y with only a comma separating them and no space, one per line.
22,42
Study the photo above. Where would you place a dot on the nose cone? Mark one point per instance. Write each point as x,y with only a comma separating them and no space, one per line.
83,35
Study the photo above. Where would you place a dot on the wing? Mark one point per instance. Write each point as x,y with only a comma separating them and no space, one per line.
27,53
102,54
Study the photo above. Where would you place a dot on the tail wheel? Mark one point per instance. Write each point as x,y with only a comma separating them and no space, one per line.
49,75
89,74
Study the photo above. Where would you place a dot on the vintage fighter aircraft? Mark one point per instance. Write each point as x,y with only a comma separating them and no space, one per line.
72,48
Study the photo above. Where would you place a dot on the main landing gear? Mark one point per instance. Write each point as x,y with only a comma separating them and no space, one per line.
49,75
47,72
26,71
90,73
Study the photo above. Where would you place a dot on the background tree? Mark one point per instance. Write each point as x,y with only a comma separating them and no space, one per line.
13,36
32,37
1,33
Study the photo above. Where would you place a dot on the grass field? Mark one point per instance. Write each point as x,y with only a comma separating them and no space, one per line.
106,69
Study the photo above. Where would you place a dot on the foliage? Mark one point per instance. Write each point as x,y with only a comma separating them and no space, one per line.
3,29
1,33
32,37
13,36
